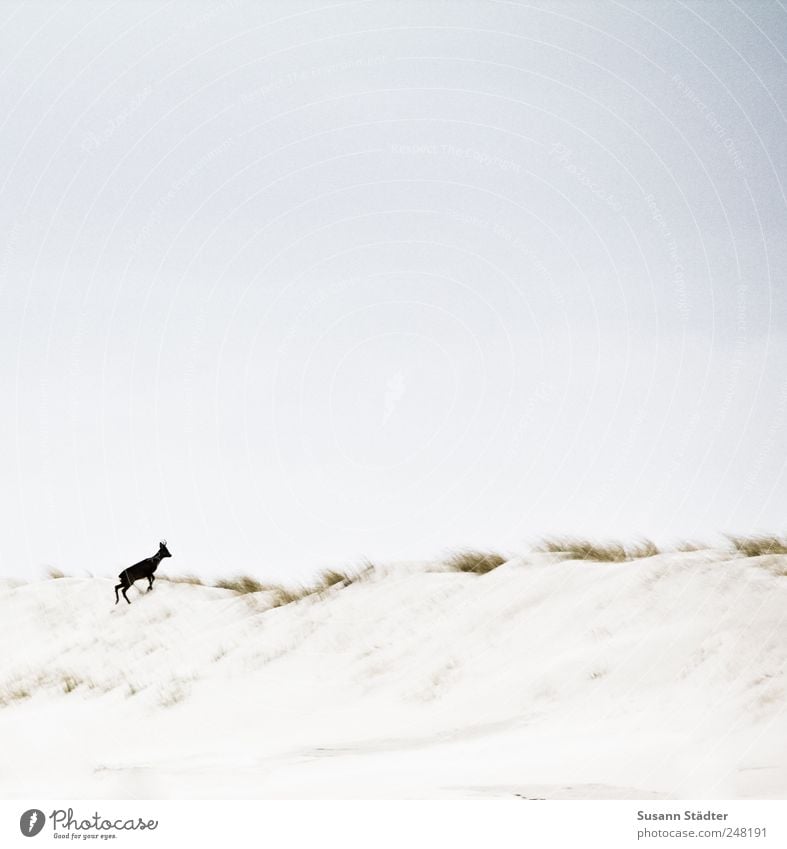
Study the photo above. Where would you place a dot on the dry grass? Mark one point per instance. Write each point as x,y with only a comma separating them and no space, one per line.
288,595
329,579
756,546
282,595
183,579
173,693
70,683
608,552
54,574
582,549
691,545
477,562
14,694
242,584
24,688
339,578
643,548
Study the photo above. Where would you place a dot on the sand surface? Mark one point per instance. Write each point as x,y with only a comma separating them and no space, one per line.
547,678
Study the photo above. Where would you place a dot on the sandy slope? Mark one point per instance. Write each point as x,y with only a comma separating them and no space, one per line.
662,677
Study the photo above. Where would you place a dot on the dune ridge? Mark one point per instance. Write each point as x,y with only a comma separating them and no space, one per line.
546,677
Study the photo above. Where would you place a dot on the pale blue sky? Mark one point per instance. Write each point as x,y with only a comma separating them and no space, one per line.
296,283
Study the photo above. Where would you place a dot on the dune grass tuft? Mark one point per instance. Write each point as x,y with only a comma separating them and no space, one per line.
281,595
70,683
643,548
54,574
288,595
608,552
183,579
242,584
340,577
477,562
756,546
16,692
691,545
330,578
584,549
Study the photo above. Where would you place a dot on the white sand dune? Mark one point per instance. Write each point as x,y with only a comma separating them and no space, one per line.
547,678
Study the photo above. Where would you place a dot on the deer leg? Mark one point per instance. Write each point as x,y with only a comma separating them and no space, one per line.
125,587
150,583
117,598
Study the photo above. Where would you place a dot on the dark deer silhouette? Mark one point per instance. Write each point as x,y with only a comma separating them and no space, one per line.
143,569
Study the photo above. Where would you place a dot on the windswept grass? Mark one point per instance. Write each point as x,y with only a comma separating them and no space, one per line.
691,545
174,692
329,579
70,683
643,548
288,595
66,682
756,546
477,562
14,694
183,579
54,574
242,584
583,549
340,578
608,552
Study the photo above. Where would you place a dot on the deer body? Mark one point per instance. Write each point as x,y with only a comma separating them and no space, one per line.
144,569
